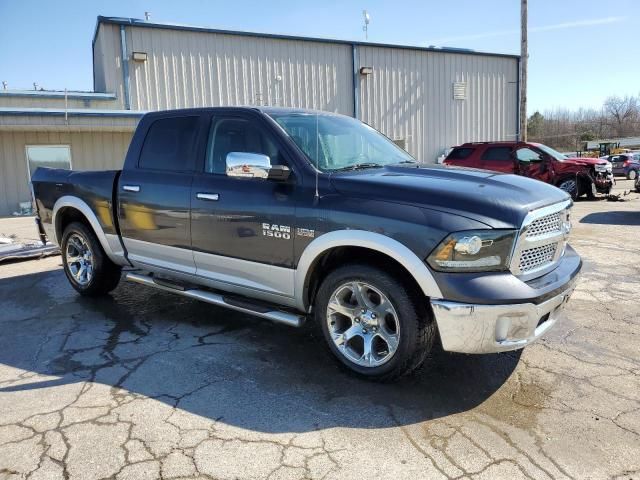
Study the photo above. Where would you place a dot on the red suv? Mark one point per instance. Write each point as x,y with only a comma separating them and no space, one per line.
576,176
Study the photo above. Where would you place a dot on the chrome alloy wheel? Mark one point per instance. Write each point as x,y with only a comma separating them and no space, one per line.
79,259
363,324
568,186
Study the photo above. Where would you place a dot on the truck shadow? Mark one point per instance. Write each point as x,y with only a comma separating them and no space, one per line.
612,218
219,364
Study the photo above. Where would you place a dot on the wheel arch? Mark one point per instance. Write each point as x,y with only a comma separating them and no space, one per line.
316,261
68,209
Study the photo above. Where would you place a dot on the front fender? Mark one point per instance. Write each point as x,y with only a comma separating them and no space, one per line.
371,240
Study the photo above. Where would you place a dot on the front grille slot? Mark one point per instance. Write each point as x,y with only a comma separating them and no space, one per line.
545,225
537,257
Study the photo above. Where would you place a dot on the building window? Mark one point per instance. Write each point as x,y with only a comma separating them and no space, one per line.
52,156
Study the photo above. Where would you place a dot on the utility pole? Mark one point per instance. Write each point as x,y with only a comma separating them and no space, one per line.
524,59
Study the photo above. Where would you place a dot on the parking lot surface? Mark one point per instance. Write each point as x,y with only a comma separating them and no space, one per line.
145,384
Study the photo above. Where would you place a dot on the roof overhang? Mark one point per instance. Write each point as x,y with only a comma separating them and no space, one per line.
135,22
74,95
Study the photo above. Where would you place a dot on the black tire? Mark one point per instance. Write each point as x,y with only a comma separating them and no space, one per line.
417,329
105,274
632,175
571,186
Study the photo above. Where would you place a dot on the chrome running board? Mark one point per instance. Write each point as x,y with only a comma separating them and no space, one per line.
244,306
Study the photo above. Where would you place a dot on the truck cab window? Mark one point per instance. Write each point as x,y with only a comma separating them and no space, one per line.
170,144
235,134
528,155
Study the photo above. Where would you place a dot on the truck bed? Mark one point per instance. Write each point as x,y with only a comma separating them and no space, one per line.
96,188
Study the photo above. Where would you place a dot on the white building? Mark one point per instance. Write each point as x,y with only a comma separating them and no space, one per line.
427,99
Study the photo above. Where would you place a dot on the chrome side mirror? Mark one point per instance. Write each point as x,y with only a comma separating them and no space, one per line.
248,165
254,165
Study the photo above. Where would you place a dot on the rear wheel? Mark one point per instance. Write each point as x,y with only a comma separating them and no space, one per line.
632,175
373,324
86,265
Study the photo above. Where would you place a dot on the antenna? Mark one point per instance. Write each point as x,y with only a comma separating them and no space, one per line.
365,27
147,16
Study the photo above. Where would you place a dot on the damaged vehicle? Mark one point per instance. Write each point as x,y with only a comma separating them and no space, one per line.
576,176
291,215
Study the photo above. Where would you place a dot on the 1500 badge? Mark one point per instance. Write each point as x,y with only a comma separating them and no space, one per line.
276,231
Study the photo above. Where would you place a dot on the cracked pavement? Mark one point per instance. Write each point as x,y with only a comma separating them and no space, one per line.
146,384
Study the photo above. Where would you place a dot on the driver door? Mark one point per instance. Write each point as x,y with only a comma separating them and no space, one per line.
242,228
533,164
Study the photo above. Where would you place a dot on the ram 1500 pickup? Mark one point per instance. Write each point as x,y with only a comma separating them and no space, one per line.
288,214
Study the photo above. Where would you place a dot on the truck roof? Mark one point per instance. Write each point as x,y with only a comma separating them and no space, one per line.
264,109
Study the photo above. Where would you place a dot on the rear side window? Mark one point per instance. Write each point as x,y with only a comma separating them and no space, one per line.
460,153
170,144
497,153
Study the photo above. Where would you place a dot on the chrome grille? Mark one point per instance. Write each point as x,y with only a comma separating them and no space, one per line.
541,242
545,225
533,258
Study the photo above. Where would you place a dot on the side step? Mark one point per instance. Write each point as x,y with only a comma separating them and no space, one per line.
274,315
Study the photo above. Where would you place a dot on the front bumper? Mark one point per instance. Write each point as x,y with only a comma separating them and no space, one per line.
472,328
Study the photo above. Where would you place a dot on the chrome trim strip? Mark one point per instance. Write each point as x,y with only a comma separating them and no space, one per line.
217,299
131,188
468,328
366,239
113,249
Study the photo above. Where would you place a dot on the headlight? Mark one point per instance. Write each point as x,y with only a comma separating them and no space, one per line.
474,251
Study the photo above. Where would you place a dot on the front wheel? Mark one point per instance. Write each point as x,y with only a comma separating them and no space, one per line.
373,324
570,185
86,265
632,175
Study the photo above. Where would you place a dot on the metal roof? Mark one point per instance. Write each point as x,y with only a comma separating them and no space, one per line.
71,95
135,22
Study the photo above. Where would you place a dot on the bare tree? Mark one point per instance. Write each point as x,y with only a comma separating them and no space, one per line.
623,113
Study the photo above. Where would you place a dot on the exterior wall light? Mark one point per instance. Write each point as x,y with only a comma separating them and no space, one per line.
139,56
366,70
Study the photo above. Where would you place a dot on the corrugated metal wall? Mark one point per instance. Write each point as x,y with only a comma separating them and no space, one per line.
89,151
409,95
107,64
194,69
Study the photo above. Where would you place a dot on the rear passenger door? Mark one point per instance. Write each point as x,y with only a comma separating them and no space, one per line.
154,196
498,159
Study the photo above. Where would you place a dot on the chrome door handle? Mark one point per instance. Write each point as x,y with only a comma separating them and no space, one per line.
213,197
131,188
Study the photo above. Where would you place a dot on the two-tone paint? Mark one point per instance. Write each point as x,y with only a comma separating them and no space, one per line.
162,221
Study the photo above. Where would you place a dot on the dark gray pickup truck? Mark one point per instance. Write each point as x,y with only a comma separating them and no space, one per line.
288,214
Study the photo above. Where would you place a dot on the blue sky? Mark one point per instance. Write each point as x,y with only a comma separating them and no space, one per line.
581,51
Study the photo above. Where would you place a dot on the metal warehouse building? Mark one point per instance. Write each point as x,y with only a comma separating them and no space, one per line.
427,99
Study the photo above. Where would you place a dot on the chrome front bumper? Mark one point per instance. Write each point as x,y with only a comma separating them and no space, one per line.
471,328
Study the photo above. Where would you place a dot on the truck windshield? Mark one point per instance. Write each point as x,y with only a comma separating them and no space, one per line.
334,142
554,153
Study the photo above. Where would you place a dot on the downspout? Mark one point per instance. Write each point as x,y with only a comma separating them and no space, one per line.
125,67
518,93
355,58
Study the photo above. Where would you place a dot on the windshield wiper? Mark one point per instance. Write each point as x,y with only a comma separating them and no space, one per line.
358,166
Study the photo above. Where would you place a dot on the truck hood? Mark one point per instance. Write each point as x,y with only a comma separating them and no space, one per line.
495,199
585,161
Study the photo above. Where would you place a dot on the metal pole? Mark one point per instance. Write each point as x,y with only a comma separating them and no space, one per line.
524,58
